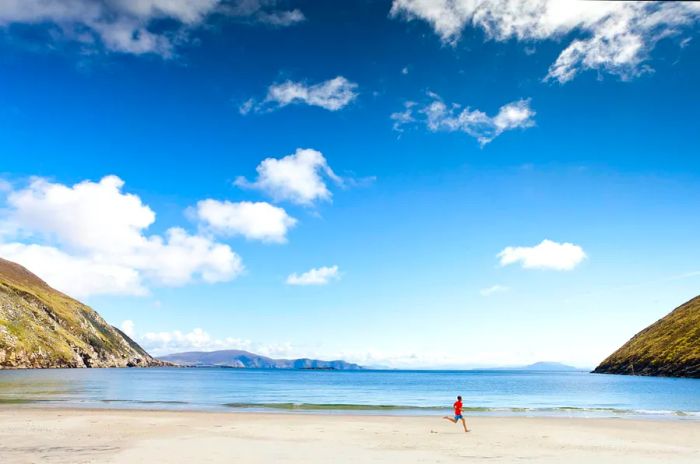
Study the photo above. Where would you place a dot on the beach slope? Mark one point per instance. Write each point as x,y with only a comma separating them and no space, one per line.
110,436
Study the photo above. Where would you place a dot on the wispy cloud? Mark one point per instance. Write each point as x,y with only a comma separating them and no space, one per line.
281,18
316,276
332,95
614,37
440,117
137,26
405,117
492,290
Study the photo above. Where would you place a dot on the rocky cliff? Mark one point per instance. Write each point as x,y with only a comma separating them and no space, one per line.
41,327
670,347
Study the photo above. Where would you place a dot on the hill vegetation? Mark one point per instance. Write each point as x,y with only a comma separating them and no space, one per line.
42,327
670,347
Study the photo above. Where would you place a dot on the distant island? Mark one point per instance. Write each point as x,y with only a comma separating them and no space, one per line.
548,366
670,347
244,359
42,328
543,366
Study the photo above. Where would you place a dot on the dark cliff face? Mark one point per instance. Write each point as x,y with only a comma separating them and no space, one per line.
670,347
41,327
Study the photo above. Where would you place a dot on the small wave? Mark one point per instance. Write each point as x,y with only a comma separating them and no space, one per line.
572,410
376,407
330,406
144,401
668,413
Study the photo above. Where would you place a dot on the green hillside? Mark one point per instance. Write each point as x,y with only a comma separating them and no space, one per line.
42,327
670,347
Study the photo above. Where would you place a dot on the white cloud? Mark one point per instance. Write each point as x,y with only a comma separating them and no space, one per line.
78,276
253,220
403,118
247,106
281,18
127,26
128,328
546,255
332,95
181,258
168,342
88,216
317,276
177,341
121,25
614,37
298,177
440,117
492,290
89,239
196,340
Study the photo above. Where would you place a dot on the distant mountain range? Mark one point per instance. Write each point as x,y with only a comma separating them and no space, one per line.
670,347
245,359
543,366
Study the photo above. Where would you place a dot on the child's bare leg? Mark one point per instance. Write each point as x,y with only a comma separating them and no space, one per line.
450,419
464,423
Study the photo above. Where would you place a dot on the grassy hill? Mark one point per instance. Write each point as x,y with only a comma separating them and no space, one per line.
670,347
42,327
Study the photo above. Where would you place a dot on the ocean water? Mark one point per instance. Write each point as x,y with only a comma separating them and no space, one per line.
497,392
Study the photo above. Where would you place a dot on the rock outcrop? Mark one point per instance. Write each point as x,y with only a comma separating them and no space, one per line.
42,328
670,347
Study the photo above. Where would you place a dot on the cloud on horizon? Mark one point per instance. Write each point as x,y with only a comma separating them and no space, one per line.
177,341
169,342
612,37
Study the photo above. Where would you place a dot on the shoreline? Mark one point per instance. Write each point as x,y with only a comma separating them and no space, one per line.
286,409
38,406
63,435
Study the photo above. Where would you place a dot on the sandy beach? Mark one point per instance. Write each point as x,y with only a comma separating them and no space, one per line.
117,436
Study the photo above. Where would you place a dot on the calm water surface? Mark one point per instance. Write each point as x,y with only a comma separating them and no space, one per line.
368,392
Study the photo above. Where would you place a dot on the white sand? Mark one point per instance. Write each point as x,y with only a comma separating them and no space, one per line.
30,435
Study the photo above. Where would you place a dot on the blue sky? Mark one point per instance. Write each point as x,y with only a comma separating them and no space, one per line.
443,187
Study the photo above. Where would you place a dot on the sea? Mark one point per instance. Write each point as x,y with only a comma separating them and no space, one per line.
385,392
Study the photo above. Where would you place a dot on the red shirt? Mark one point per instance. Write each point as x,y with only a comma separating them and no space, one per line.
458,408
